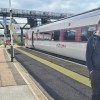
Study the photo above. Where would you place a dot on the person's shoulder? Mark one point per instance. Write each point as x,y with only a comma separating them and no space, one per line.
96,36
91,37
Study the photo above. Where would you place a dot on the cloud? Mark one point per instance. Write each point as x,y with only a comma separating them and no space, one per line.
93,5
61,6
78,6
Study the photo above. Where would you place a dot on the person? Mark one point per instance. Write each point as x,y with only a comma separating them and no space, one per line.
93,62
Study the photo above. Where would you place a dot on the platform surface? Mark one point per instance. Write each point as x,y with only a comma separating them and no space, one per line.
12,85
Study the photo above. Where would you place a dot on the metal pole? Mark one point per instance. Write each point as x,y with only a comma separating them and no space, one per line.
11,33
5,31
21,36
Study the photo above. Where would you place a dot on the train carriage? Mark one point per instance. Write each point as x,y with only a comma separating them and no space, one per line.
66,37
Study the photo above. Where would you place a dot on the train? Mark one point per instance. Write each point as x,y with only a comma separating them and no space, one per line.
67,37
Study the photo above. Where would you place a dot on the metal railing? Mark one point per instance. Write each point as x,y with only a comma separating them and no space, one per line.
30,13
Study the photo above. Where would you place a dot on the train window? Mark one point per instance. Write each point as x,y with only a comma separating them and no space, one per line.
65,35
87,32
47,36
55,35
84,33
91,30
35,36
69,35
40,36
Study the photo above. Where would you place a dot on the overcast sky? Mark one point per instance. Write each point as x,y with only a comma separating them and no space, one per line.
61,6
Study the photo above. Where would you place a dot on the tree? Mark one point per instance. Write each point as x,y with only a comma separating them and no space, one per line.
16,38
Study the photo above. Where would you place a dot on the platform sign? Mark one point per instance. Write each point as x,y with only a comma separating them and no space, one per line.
11,27
14,27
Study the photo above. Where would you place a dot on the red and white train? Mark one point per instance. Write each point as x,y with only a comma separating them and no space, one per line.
66,37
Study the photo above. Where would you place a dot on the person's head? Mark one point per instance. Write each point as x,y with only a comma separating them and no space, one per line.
99,27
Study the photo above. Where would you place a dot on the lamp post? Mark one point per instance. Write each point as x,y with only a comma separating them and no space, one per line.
11,32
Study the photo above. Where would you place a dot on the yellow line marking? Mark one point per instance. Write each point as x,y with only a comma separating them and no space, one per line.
82,79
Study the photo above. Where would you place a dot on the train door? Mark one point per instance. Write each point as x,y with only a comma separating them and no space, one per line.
32,39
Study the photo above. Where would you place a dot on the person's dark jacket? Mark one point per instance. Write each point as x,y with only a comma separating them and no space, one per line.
93,62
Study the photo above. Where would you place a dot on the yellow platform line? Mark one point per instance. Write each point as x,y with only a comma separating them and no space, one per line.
82,79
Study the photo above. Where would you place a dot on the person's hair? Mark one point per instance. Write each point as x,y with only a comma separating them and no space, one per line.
99,22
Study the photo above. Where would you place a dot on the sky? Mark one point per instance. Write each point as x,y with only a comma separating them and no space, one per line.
59,6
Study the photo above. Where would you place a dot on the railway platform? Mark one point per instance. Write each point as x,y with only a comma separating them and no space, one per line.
15,83
61,79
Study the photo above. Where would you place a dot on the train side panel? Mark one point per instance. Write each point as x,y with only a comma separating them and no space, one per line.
69,49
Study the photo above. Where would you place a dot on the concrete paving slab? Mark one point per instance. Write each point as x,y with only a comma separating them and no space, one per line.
3,67
17,77
16,93
7,78
0,81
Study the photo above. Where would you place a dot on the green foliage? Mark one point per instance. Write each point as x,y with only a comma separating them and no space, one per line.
1,42
16,38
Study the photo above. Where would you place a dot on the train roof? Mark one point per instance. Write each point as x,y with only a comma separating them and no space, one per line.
89,13
81,13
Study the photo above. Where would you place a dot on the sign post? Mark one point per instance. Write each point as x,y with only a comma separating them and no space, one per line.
11,33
